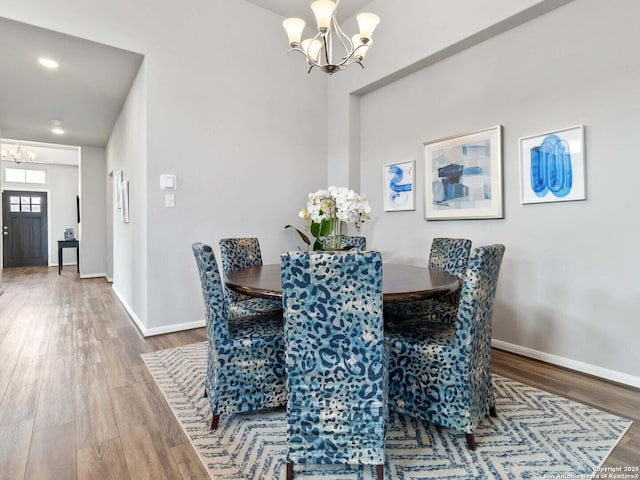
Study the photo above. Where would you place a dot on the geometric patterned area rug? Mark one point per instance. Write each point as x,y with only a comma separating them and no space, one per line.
536,434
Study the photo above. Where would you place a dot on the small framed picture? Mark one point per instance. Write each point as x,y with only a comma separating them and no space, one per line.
552,167
463,176
124,211
398,186
117,181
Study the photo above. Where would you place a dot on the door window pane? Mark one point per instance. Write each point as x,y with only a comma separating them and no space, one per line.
35,176
35,200
26,208
35,208
25,200
14,199
15,175
20,175
14,208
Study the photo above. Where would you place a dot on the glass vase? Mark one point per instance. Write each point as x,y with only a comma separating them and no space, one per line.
334,242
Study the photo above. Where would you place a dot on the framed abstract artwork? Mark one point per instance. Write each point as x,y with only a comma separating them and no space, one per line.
398,186
463,176
552,167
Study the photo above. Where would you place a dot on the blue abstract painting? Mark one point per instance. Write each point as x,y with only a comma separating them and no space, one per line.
398,186
552,166
464,176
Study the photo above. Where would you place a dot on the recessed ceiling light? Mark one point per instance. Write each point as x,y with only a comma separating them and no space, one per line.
48,62
57,131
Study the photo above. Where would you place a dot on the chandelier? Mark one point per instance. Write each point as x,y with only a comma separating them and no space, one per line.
319,49
18,155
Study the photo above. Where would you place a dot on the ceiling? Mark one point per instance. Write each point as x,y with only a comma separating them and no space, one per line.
302,9
85,94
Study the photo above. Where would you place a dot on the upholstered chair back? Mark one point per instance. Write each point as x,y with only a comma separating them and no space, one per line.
450,255
238,253
440,371
335,357
474,322
212,290
245,369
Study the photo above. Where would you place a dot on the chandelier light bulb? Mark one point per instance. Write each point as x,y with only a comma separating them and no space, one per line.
367,22
359,48
294,27
312,48
323,11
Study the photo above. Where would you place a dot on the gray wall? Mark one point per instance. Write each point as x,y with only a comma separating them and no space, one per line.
568,290
126,152
92,212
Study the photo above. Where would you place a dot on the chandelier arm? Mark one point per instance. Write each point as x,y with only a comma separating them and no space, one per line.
311,61
348,46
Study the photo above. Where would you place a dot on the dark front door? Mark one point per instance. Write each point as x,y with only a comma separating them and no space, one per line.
24,229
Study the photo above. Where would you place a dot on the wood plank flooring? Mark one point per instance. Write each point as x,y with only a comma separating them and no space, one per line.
77,402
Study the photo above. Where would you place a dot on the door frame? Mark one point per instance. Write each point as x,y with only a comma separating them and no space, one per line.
6,188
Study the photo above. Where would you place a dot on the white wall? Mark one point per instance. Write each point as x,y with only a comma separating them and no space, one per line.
62,188
568,290
92,212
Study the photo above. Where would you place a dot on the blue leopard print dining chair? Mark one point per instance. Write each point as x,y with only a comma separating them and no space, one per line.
347,242
245,369
442,373
450,255
238,253
335,358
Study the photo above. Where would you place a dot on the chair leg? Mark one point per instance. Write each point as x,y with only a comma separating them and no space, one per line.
492,411
289,471
214,422
471,441
380,471
205,393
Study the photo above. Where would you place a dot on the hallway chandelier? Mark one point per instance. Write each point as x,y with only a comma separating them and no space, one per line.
18,155
319,49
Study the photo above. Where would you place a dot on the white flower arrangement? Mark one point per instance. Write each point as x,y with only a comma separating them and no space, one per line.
327,210
337,203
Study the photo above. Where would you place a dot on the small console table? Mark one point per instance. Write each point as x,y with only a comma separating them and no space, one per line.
68,244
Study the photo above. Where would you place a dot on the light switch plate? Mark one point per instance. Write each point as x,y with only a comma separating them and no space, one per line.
168,182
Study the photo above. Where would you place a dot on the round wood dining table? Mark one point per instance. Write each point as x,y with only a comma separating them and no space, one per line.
400,283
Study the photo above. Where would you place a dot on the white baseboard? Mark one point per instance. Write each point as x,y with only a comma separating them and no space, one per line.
149,332
178,327
137,322
587,368
93,275
64,264
109,279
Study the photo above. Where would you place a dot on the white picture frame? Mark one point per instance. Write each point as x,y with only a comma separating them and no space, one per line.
552,166
124,211
399,186
117,184
463,176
